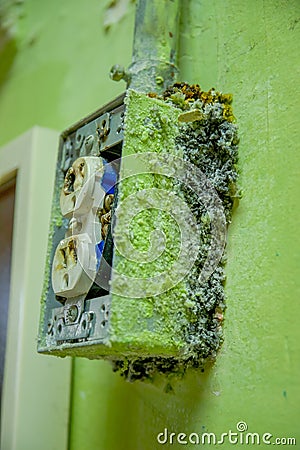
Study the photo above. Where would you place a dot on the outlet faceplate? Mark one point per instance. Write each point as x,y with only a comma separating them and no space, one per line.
76,308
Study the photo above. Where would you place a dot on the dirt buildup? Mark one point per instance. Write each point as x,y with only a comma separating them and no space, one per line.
207,138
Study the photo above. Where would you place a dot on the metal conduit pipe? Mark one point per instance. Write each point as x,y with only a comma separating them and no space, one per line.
155,44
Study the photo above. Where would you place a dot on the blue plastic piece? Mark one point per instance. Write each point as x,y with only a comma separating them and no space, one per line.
108,183
99,250
109,178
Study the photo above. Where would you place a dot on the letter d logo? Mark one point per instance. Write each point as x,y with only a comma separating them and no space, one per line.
163,437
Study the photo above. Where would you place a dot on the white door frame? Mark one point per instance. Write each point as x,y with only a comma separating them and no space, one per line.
36,388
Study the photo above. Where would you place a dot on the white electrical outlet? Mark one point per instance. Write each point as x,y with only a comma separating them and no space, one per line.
77,192
74,266
76,259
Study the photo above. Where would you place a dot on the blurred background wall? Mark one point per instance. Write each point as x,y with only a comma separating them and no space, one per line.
54,62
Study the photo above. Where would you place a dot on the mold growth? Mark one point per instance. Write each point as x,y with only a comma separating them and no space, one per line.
211,143
152,324
207,138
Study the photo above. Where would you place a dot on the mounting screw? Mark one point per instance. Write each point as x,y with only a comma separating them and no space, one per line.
71,314
118,73
89,141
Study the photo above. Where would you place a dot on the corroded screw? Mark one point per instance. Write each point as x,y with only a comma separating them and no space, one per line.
118,73
89,141
72,313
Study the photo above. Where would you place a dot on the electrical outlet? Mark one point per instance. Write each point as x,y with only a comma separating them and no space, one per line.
77,256
80,242
79,193
74,266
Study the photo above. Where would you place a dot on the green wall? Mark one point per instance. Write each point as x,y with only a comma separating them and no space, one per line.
55,71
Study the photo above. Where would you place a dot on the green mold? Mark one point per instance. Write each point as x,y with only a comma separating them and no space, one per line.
156,122
191,311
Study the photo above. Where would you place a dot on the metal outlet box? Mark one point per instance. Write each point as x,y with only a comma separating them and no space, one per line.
90,305
143,196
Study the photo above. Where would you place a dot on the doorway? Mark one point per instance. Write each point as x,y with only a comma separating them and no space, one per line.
7,201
